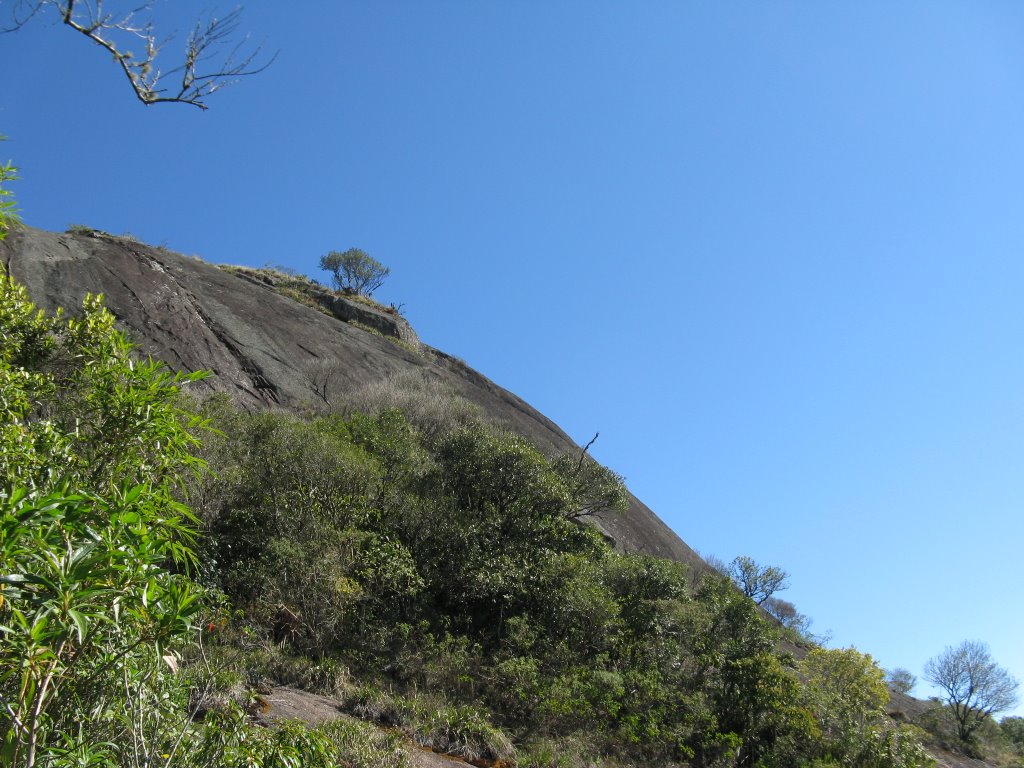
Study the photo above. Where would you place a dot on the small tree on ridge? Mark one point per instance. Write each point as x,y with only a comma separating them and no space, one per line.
355,271
900,680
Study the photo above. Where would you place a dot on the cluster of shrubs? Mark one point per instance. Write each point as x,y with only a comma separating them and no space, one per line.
432,571
100,602
425,550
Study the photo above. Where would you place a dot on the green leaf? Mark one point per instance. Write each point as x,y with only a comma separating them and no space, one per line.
81,624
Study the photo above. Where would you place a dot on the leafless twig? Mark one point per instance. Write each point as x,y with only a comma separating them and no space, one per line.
583,453
122,33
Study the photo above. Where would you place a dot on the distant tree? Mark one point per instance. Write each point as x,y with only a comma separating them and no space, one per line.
717,564
900,680
787,614
976,687
355,271
758,582
135,46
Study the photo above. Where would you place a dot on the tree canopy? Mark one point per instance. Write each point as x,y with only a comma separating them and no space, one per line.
975,686
758,582
355,271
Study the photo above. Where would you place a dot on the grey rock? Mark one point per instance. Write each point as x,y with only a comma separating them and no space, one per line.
259,345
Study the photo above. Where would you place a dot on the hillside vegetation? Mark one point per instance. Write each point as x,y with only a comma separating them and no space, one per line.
161,569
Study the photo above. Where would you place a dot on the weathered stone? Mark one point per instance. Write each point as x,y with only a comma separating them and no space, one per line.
260,345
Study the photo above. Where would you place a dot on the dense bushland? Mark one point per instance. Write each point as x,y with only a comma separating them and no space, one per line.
98,597
451,562
429,570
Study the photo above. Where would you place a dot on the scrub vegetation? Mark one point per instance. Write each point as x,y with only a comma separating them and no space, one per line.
165,563
431,572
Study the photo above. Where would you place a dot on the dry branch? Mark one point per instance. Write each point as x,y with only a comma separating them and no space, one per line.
123,35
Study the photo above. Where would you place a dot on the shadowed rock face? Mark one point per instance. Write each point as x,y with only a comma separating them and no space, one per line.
260,345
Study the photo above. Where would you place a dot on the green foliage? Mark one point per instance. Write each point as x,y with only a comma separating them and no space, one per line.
354,271
430,405
80,229
1013,729
91,444
226,738
97,606
452,558
564,752
361,745
846,692
507,512
462,730
901,680
78,409
8,208
67,560
758,582
294,529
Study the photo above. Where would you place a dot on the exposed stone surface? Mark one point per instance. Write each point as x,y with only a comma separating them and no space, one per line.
261,346
348,309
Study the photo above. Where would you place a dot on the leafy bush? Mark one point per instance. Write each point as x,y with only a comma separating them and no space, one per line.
846,692
355,271
452,558
91,444
360,745
429,404
8,209
461,730
900,680
97,603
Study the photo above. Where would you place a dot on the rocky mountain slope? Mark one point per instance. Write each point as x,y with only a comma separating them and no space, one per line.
270,345
270,350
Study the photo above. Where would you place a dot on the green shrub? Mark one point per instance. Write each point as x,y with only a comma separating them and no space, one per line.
571,752
438,554
846,692
427,402
361,745
94,550
354,271
225,737
8,208
462,730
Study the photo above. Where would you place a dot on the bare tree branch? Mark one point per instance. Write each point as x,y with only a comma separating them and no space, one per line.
976,687
583,453
122,34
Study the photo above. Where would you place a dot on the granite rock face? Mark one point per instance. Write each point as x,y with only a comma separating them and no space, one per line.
260,346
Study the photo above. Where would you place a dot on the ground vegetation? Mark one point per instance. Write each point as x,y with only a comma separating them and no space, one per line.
163,562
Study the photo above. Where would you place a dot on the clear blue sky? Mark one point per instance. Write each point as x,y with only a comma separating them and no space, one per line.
771,251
